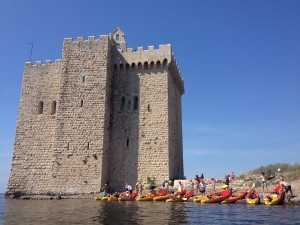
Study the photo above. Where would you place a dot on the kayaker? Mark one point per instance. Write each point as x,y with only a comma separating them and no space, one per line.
179,187
128,188
166,186
104,190
287,188
201,177
213,185
226,180
139,188
202,187
197,178
264,184
116,194
232,175
196,186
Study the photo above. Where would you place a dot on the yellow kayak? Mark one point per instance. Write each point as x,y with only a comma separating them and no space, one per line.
101,198
161,198
274,199
175,200
198,198
253,201
144,198
112,198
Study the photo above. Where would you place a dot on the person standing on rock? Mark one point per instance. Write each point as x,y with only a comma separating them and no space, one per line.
128,188
139,188
264,184
104,190
201,177
226,180
213,185
232,175
196,186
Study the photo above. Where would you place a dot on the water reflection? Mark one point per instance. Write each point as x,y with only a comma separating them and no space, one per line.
140,213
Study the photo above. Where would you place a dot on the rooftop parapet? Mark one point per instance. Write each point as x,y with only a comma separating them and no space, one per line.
151,58
89,39
141,55
39,63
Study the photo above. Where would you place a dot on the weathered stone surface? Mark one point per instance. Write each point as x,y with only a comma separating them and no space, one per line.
101,114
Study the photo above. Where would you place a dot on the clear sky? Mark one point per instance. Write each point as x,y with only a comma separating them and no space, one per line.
240,61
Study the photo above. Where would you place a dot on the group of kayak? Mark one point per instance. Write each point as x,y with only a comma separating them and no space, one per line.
225,197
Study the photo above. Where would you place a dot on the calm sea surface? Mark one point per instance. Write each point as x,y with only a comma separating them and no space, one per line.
88,211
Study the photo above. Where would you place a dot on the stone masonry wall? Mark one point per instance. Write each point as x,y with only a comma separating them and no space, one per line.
82,119
175,131
140,139
35,132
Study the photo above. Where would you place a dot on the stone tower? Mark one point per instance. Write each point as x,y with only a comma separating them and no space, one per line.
104,113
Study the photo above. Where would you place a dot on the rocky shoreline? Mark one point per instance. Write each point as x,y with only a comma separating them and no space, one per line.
237,185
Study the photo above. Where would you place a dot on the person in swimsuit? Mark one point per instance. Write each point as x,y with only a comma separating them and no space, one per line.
264,184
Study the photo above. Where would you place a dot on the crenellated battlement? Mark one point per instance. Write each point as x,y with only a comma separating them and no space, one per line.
141,49
89,39
151,60
39,63
142,58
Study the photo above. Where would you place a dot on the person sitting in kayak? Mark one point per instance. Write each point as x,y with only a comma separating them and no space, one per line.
252,194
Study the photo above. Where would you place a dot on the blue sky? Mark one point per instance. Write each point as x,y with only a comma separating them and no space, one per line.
240,61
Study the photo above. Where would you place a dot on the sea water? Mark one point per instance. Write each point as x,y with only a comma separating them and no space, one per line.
89,211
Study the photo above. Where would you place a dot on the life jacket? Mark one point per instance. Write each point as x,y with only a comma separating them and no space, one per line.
278,189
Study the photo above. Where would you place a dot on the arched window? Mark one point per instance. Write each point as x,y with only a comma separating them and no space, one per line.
83,79
135,103
145,65
139,66
41,107
81,103
165,62
115,68
152,65
158,64
127,67
122,106
133,66
53,108
117,37
121,67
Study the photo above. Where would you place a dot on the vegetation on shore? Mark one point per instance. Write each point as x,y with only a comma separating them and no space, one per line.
291,172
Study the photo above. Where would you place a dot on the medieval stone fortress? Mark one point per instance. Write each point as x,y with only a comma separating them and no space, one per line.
103,113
